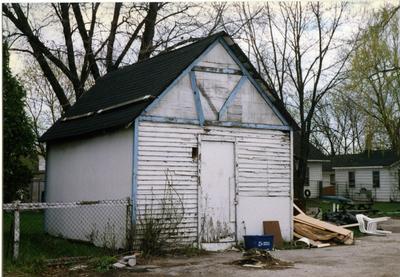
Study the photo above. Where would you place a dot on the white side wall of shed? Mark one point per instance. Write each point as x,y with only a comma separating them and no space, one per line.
96,168
363,176
263,173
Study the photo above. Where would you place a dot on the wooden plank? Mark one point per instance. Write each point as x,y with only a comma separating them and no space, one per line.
327,226
218,70
273,228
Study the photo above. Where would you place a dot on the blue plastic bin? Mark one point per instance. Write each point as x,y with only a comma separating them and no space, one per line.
260,242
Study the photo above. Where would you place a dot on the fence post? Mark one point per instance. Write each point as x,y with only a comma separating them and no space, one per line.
16,231
129,235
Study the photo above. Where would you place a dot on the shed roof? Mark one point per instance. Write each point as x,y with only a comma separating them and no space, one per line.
120,88
367,158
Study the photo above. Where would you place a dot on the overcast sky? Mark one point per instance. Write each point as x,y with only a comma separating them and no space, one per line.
358,12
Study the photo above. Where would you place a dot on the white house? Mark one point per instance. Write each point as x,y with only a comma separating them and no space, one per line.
200,115
374,171
315,178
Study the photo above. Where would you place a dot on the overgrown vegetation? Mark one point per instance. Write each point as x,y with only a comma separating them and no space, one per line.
19,154
36,246
158,223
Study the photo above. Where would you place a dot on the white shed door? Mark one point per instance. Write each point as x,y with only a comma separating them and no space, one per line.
217,197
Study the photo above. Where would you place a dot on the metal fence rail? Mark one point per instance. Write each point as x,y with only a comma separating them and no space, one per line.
105,223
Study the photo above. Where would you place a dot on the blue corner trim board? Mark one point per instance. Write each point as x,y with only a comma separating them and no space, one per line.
257,86
197,99
135,158
231,96
187,70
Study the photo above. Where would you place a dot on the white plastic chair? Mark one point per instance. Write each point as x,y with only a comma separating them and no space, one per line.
370,225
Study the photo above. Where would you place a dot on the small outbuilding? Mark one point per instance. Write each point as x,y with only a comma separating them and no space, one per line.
198,121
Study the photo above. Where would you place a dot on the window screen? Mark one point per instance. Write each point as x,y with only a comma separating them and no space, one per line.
375,179
352,179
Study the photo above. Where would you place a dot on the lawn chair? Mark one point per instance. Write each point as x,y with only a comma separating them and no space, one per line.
370,225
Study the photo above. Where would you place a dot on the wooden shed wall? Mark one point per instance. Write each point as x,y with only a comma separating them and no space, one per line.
263,166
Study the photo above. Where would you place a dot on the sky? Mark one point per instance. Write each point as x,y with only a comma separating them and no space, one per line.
357,9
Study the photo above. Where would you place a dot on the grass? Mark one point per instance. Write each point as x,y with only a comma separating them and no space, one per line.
37,246
384,208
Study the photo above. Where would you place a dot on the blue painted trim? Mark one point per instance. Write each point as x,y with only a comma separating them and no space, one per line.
257,86
249,125
231,97
46,168
135,159
197,99
162,119
187,70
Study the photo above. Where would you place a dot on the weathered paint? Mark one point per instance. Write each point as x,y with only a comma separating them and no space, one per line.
231,97
255,84
388,190
252,211
218,57
197,100
215,89
135,146
163,119
217,208
201,95
263,167
97,168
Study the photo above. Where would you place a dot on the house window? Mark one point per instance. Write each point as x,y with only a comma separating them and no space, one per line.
398,177
332,179
375,179
307,179
352,179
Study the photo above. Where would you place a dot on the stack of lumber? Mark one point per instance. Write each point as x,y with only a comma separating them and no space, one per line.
319,231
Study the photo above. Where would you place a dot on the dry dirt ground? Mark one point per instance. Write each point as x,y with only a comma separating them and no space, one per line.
370,256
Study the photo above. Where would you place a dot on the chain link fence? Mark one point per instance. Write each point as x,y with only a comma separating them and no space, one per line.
356,192
66,229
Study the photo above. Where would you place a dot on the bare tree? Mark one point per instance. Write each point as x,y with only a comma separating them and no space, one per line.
92,45
296,47
338,128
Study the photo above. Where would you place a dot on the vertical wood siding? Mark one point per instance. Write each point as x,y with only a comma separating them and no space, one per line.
263,165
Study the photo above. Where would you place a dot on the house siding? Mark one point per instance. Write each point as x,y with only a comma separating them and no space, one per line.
315,170
387,190
262,171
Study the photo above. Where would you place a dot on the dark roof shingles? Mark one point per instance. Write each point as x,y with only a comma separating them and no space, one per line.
148,77
366,158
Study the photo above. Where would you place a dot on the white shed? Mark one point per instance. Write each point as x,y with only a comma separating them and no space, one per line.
199,117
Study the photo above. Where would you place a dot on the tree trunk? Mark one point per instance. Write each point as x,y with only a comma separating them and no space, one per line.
148,33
